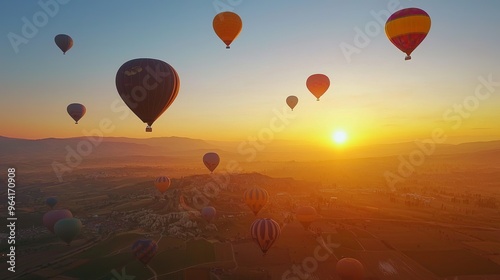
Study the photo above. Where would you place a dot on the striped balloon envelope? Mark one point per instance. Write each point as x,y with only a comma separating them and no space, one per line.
265,232
162,183
144,250
256,199
407,28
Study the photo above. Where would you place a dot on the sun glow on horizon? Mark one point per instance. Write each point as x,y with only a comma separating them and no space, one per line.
339,137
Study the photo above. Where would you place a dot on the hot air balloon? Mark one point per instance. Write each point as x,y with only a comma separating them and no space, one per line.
211,161
407,28
306,215
144,250
227,25
148,87
292,101
256,199
350,269
64,42
208,213
76,111
67,229
162,184
53,216
265,232
318,84
51,202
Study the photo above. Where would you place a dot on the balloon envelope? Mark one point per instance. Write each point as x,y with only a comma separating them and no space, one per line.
67,229
53,216
51,202
265,232
76,111
64,42
208,213
211,161
227,26
292,101
407,28
350,269
318,84
144,250
148,87
256,199
306,215
162,183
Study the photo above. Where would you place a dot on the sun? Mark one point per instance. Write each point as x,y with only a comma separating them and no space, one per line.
339,137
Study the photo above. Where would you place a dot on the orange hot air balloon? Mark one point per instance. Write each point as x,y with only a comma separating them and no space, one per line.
162,183
76,111
318,84
407,28
256,199
292,101
265,232
148,87
227,25
64,42
306,215
350,269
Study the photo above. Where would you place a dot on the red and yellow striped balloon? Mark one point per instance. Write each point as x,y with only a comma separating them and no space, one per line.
407,28
162,183
256,199
265,232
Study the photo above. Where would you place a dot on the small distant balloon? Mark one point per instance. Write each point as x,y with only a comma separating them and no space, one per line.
350,269
64,42
162,183
318,84
211,161
144,250
208,213
76,111
53,216
292,101
227,26
265,232
67,229
51,202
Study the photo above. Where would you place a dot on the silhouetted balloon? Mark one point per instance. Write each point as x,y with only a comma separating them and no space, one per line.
144,250
64,42
292,101
318,84
227,25
211,161
148,87
306,215
208,213
256,198
162,183
76,111
67,229
350,269
407,28
53,216
51,202
265,232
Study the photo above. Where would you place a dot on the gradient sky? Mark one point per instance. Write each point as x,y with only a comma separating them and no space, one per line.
375,95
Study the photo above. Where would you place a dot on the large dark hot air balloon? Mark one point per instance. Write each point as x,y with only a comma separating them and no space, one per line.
318,84
227,26
211,161
51,202
67,229
256,198
64,42
144,250
76,111
292,101
265,232
350,269
306,215
407,28
53,216
148,87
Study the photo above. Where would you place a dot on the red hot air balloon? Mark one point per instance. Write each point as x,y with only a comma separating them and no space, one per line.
318,84
162,184
350,269
407,28
227,26
144,250
292,101
76,111
211,161
64,42
265,232
148,87
53,216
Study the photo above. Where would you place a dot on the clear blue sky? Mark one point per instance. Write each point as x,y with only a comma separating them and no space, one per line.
230,94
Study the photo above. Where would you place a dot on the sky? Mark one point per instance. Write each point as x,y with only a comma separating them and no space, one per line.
451,84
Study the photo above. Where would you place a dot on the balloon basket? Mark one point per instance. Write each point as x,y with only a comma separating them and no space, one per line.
149,129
